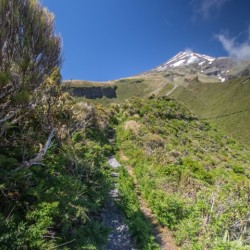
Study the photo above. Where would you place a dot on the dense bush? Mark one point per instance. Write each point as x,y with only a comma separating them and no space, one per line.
53,179
30,52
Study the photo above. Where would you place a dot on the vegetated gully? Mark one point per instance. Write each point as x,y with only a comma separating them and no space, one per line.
119,237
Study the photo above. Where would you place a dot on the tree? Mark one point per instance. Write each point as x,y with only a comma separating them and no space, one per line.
29,53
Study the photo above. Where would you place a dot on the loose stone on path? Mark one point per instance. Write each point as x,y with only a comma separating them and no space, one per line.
119,237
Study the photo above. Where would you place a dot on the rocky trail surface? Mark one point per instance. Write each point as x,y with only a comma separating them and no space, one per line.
119,237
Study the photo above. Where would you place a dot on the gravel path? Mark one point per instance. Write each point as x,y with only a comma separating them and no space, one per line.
119,237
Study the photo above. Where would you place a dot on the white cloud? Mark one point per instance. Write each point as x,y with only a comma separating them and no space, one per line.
205,7
241,51
188,50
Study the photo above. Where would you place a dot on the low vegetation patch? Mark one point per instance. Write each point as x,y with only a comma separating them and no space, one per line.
224,104
140,228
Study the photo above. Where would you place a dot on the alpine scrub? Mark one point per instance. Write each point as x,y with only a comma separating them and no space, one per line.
54,176
194,178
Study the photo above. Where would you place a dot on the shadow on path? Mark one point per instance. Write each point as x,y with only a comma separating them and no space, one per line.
119,237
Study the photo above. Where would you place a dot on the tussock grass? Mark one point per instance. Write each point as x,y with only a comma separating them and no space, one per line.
227,105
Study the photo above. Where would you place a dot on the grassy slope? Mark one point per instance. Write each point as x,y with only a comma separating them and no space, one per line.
194,178
224,104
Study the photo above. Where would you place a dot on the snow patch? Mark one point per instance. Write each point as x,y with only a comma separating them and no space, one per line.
210,59
178,63
192,59
186,58
222,79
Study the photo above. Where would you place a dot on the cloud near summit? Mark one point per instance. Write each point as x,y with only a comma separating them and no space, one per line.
241,51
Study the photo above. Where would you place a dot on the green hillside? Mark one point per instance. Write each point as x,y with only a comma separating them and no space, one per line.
225,104
180,182
194,178
137,86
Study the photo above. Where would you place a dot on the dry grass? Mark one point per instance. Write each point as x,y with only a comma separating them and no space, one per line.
132,126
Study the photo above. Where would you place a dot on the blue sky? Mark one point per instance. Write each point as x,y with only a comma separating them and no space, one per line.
110,39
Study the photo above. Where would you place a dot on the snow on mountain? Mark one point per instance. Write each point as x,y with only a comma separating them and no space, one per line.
185,58
199,65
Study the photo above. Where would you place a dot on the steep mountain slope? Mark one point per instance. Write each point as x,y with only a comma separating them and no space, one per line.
221,68
186,58
227,105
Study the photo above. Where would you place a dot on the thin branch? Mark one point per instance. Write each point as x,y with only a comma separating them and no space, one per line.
10,212
66,243
7,117
42,152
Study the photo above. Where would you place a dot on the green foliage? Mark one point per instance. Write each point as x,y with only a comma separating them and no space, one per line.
54,176
22,97
169,209
138,225
238,169
41,219
31,53
225,105
53,185
4,79
56,202
195,180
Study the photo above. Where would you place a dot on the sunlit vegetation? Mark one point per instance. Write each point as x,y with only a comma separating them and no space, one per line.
54,177
224,104
141,86
139,227
194,178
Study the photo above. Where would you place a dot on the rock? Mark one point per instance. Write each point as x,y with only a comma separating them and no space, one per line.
113,162
94,92
114,175
114,193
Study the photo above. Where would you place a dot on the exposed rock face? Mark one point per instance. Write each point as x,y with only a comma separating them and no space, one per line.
94,92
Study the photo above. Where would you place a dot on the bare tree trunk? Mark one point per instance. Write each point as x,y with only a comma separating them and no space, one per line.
42,152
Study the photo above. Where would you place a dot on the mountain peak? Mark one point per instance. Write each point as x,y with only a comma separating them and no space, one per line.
184,58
